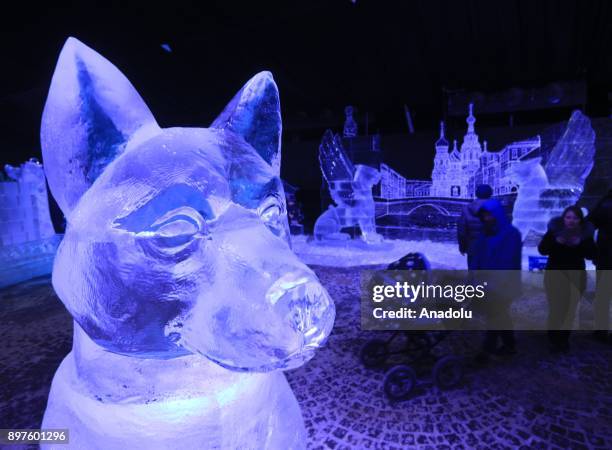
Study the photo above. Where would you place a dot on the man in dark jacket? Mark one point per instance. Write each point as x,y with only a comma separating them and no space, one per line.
498,248
469,224
601,218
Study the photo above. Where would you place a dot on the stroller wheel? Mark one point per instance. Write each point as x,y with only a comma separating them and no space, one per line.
399,382
448,371
374,353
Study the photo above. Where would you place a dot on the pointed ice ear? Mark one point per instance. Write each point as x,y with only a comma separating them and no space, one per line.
92,112
254,114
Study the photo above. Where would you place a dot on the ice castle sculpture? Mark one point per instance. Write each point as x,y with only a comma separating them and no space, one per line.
350,187
545,189
428,209
176,268
543,183
27,239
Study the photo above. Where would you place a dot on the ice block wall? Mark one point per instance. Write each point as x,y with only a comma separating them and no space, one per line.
27,239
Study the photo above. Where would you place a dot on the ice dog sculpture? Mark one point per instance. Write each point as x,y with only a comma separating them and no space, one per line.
176,267
351,189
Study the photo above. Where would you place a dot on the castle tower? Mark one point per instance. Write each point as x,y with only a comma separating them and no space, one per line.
442,143
470,148
439,173
471,151
454,154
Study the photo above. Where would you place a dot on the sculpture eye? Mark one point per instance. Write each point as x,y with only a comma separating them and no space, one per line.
271,209
272,213
176,228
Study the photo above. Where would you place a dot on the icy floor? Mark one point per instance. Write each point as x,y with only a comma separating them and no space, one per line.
355,253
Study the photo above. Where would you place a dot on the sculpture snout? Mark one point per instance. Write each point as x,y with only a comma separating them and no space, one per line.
300,299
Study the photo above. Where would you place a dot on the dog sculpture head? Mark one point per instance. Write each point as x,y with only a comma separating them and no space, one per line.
176,239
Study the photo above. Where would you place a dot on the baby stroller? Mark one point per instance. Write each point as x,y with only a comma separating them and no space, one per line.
414,347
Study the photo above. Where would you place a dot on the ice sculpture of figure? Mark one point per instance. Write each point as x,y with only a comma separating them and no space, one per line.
527,213
544,191
176,268
350,126
351,189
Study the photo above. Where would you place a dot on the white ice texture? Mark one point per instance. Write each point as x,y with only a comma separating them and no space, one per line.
527,213
177,269
545,190
351,190
571,160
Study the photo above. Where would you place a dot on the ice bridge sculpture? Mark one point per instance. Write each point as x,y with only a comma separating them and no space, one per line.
546,188
350,187
175,265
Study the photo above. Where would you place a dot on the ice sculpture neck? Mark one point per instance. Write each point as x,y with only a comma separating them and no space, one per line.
122,377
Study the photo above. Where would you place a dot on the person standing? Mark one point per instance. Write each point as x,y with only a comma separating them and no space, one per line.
567,243
601,218
469,225
498,247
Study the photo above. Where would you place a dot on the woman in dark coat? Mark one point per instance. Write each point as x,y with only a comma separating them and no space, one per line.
568,242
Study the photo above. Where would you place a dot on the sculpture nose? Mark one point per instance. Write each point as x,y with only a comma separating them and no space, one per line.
304,302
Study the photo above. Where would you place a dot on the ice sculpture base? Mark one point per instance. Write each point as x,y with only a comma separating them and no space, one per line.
356,253
441,255
27,260
110,401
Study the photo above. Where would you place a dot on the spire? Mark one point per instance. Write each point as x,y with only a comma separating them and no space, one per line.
471,119
470,148
442,142
454,154
485,146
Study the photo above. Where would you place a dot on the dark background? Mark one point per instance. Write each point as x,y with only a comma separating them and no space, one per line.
375,55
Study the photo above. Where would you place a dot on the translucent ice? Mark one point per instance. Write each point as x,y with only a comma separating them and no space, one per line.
27,239
351,190
24,213
532,180
545,190
572,158
176,268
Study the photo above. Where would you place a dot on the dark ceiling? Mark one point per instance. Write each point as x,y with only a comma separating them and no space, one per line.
324,54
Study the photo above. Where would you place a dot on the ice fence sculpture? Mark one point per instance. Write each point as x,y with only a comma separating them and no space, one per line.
176,268
351,190
546,188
